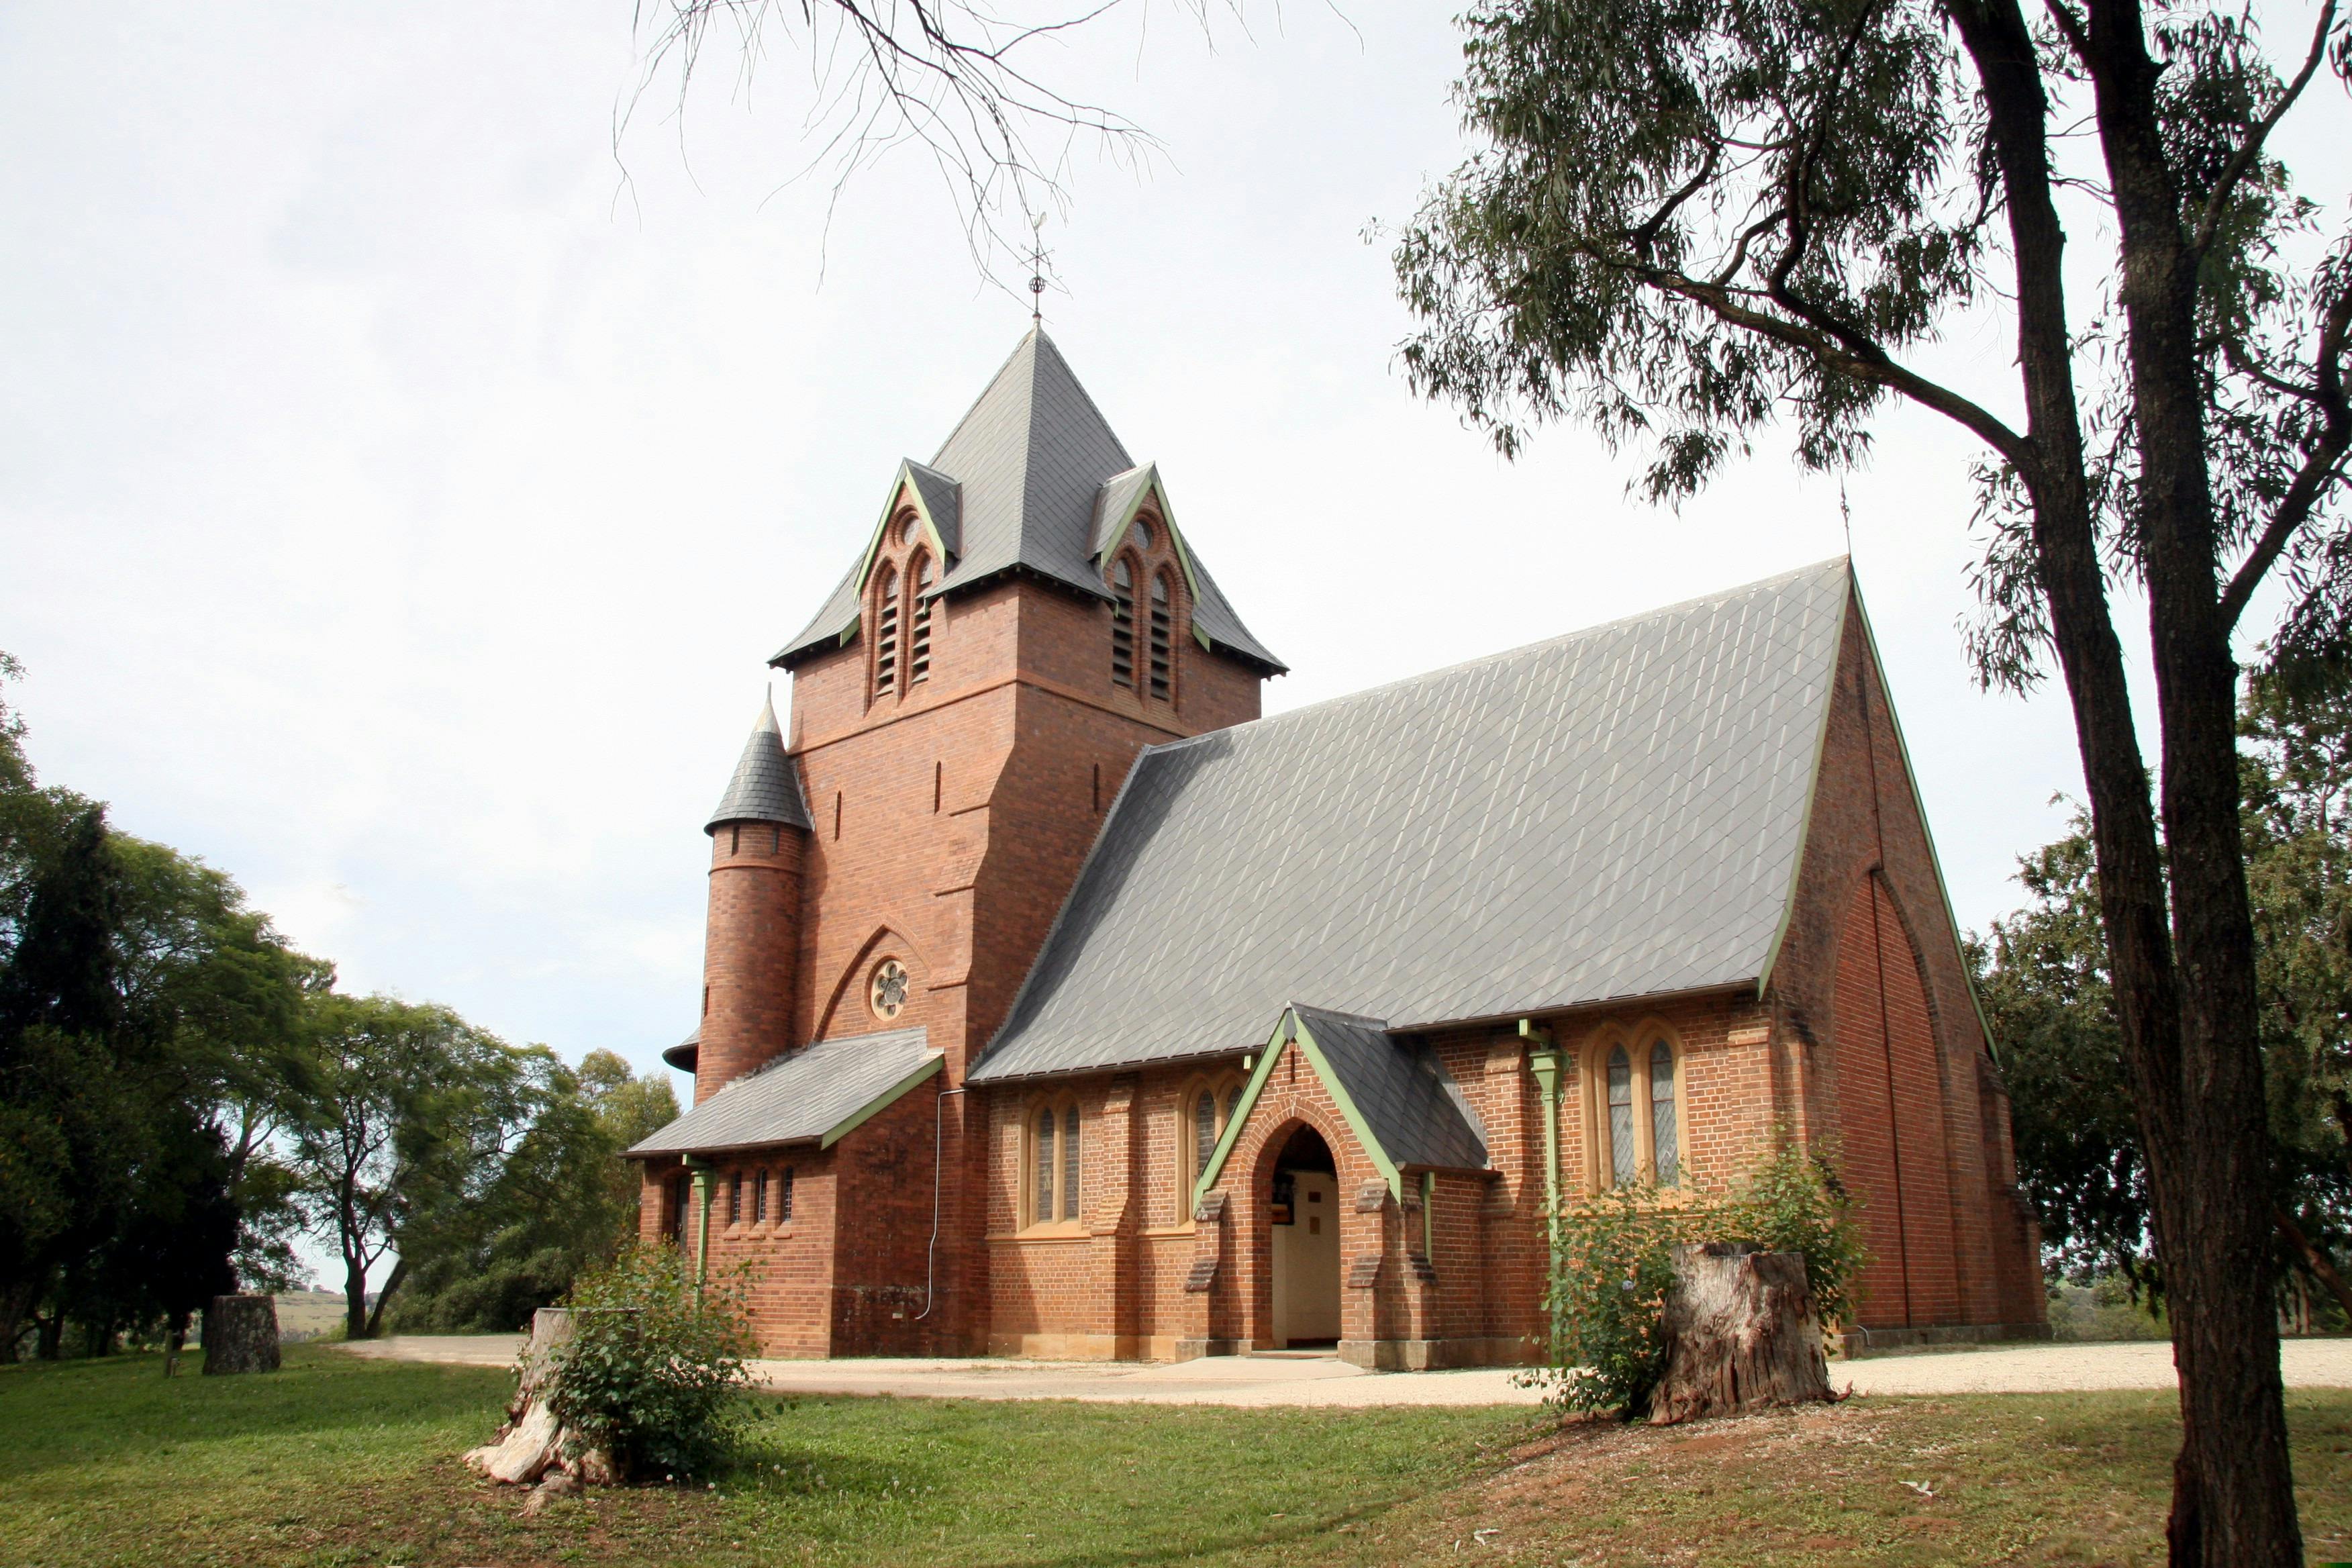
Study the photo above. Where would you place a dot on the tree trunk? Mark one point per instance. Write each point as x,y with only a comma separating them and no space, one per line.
532,1447
241,1335
1740,1335
355,1312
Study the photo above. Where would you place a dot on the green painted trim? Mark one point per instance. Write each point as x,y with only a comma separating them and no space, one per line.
1291,1029
1813,793
1176,537
1250,1091
1355,1118
881,1102
1919,806
905,480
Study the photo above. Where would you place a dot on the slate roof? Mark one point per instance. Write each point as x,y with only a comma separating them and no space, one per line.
1411,1105
1027,465
1613,814
812,1096
765,788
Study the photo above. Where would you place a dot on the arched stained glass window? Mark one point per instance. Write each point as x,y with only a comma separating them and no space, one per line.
1664,1136
1042,1195
1232,1102
1624,1160
1205,1132
1070,1163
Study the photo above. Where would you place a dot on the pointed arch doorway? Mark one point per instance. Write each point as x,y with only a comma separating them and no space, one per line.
1304,1212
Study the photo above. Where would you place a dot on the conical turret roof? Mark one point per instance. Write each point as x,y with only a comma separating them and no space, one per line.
1031,465
764,788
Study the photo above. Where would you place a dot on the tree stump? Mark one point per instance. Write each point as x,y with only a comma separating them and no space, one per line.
241,1335
1740,1335
533,1444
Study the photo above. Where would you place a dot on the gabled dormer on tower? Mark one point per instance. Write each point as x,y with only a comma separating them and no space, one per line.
1034,486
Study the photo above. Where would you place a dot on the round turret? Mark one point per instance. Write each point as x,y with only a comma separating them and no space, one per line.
751,941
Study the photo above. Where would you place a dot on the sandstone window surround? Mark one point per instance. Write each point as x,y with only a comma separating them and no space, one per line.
1203,1110
1053,1167
1635,1098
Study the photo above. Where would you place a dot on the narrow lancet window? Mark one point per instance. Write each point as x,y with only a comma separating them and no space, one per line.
1122,623
886,633
1664,1134
1162,653
1624,1160
919,649
1044,1196
1070,1163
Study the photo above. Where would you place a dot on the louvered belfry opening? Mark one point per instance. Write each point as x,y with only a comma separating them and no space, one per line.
919,648
1162,658
1122,623
886,633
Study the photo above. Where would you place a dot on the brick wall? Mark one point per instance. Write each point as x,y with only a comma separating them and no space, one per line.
1868,904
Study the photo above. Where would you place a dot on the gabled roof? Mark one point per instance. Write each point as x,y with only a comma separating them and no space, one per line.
764,788
1022,475
1613,814
814,1095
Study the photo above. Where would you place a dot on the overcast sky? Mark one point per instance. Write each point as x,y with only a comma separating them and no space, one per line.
400,495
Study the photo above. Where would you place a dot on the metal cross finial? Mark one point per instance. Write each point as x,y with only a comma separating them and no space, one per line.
1037,272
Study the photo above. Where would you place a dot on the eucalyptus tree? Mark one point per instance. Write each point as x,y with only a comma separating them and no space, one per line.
1683,219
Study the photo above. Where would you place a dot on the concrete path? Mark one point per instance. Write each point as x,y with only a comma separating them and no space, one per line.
1285,1378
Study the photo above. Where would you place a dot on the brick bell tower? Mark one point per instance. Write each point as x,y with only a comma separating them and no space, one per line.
1024,617
758,834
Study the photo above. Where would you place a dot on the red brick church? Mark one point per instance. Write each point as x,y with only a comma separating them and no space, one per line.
1056,1003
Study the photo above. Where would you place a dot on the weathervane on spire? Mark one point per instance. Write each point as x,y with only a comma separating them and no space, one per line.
1038,271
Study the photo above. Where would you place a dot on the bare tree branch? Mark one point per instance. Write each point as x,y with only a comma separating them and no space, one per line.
2321,466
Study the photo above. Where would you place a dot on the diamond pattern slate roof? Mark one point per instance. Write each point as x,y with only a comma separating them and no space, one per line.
765,787
1416,1113
807,1095
1028,463
1616,813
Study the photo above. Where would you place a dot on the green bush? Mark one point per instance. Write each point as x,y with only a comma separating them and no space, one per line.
1613,1267
653,1369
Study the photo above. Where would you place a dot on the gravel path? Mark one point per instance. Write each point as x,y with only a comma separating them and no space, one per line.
1285,1378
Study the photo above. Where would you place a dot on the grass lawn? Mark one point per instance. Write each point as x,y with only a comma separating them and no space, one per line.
340,1461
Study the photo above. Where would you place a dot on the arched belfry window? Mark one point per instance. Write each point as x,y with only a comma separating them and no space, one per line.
1052,1170
885,631
1122,623
919,647
1163,654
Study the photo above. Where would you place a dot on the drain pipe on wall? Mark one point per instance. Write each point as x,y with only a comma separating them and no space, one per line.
1544,1060
931,1251
702,1169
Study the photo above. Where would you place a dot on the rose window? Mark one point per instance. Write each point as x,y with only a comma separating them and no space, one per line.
888,993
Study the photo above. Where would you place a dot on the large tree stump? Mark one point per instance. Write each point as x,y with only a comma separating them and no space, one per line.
1740,1335
241,1335
532,1447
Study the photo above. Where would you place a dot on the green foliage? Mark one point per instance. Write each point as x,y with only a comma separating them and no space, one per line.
654,1364
1613,1267
563,1201
2042,978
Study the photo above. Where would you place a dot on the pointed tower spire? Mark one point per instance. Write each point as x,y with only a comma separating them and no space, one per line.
764,788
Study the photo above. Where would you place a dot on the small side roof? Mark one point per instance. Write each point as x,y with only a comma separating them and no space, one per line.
1398,1099
814,1095
686,1053
764,788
